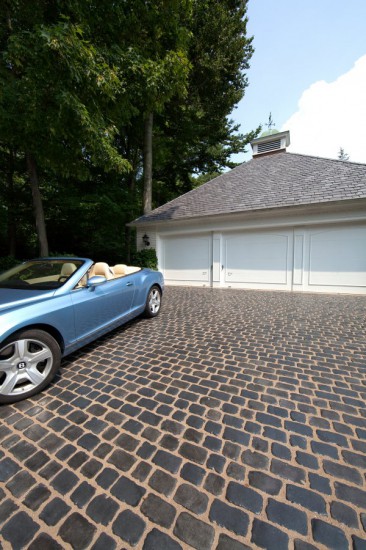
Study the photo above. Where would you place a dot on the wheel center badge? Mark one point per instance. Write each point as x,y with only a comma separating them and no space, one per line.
22,365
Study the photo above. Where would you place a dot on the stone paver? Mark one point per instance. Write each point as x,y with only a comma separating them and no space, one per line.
233,420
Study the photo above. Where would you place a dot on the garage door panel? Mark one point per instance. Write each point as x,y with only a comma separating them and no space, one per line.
337,256
261,258
187,259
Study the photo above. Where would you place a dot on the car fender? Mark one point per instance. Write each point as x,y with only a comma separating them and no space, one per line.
148,278
55,312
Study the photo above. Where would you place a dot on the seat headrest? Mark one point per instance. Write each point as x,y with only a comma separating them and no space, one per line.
119,269
68,269
102,269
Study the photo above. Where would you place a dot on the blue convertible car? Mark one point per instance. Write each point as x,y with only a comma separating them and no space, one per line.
50,307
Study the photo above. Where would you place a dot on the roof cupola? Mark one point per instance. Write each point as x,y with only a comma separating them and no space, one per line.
270,142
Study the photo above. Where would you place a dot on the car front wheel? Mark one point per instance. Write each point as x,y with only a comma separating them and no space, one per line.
153,302
29,361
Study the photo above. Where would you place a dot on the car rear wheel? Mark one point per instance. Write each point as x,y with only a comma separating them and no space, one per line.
153,302
29,361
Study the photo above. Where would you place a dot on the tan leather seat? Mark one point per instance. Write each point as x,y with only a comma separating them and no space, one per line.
119,270
67,269
102,269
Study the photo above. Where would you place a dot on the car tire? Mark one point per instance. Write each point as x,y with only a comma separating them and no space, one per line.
153,302
29,360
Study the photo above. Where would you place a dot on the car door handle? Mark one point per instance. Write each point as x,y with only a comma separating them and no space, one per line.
129,284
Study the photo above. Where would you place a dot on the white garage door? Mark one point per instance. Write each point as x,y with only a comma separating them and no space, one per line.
187,260
259,260
335,259
307,259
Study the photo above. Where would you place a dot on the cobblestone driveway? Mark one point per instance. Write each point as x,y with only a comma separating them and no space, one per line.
234,420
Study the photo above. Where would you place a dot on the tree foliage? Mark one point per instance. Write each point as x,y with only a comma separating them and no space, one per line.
78,81
342,155
196,136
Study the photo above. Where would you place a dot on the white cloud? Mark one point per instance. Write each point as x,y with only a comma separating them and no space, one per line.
332,115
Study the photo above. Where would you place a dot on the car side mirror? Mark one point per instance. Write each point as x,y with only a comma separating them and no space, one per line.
96,280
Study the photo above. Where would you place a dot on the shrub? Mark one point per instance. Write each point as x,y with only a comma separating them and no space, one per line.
146,258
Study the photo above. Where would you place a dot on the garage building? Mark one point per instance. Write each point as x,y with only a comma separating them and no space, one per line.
281,221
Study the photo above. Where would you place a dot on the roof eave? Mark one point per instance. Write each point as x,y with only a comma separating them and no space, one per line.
348,204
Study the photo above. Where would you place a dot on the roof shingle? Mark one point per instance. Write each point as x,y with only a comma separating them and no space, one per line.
274,181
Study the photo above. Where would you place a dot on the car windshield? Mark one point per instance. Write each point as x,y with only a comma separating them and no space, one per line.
40,274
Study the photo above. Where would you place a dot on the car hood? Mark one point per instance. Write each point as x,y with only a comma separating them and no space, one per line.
11,298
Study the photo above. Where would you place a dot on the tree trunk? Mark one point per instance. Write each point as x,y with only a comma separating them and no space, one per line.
11,206
37,205
147,196
129,241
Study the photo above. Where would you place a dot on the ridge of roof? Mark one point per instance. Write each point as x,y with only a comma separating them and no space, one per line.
325,158
281,180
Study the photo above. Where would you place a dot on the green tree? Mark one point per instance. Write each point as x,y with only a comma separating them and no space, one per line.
342,155
195,135
98,100
57,89
157,67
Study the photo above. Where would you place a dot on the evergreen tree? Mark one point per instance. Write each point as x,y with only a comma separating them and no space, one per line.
342,155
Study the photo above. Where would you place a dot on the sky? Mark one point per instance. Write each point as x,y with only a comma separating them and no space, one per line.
309,71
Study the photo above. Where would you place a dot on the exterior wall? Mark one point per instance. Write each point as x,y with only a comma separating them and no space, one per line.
298,229
139,240
260,220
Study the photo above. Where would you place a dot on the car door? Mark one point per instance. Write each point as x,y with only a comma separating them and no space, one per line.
99,307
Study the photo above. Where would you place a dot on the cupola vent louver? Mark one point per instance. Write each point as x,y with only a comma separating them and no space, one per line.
270,144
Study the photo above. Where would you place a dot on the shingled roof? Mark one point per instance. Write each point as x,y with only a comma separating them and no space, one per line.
274,181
